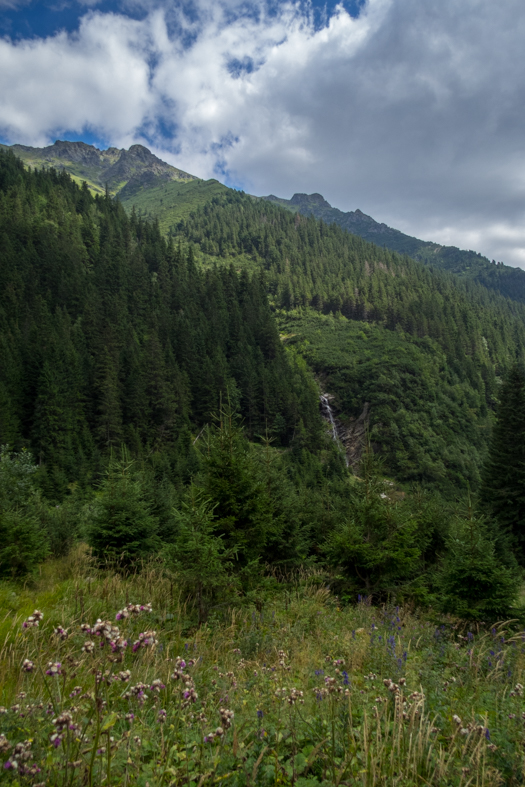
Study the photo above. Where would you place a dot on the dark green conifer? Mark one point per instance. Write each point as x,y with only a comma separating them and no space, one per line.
503,487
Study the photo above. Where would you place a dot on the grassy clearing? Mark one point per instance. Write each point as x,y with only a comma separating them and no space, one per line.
296,692
173,201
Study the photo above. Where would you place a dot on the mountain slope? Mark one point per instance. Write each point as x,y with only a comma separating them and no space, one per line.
466,264
135,168
429,369
109,334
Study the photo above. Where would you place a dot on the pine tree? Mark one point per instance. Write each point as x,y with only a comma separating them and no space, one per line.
503,487
472,581
123,526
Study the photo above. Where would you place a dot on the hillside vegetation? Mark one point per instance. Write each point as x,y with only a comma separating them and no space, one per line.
504,279
423,319
197,588
296,692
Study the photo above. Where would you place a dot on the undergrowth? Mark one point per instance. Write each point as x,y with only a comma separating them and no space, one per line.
104,680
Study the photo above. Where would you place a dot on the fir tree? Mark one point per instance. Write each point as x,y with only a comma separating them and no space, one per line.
503,487
123,527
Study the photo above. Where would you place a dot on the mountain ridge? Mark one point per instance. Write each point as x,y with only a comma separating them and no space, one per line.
158,190
117,169
469,264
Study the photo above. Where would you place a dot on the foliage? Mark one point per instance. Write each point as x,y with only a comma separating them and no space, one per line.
197,557
23,542
122,528
503,488
472,582
124,341
377,548
301,692
430,424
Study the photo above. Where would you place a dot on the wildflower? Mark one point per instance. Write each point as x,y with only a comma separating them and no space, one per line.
22,751
146,638
106,630
4,744
118,645
137,741
64,722
89,646
28,666
34,619
157,686
85,628
129,717
260,714
124,676
76,691
294,696
456,718
161,716
226,717
56,740
54,668
61,633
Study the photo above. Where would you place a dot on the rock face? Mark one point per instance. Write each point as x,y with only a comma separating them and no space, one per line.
121,170
351,436
309,201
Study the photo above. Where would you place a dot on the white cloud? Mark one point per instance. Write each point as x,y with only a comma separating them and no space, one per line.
413,112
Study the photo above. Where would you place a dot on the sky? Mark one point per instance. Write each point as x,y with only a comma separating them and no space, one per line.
411,110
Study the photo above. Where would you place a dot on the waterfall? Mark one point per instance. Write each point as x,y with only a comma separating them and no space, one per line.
328,414
327,411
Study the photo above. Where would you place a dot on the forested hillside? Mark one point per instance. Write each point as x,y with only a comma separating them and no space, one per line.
110,334
149,406
504,279
449,341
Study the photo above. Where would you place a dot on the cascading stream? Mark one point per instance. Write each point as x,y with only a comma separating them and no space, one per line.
328,414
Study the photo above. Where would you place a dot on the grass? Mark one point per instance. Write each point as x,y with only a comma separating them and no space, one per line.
296,692
172,201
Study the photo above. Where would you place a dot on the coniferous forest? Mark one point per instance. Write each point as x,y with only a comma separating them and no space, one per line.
141,375
162,434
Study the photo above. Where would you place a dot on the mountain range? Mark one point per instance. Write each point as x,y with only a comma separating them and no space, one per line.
469,264
410,354
159,190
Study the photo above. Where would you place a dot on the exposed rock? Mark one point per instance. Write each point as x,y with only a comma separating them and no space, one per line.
138,166
353,436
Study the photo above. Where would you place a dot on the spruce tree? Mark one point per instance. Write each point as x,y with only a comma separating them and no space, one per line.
123,527
503,486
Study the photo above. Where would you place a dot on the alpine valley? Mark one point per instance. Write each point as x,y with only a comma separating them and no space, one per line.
249,413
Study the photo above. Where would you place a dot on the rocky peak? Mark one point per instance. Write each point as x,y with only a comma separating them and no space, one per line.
307,200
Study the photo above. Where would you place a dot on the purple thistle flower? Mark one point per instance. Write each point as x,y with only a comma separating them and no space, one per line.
260,714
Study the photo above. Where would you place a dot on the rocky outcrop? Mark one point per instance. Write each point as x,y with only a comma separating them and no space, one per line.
353,436
137,167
